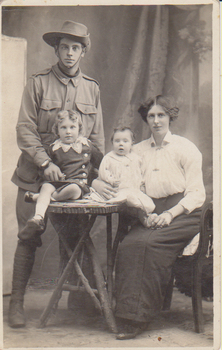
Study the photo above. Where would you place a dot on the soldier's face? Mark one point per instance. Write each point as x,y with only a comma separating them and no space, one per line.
69,53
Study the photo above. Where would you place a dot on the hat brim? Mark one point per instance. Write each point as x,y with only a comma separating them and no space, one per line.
51,38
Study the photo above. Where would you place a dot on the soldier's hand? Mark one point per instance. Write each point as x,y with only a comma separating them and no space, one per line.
53,173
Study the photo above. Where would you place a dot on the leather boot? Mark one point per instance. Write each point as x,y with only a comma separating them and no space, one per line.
16,317
23,264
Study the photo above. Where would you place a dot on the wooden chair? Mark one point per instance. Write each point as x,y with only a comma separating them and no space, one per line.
188,270
190,266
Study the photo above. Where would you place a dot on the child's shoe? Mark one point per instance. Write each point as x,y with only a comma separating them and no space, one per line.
28,197
33,228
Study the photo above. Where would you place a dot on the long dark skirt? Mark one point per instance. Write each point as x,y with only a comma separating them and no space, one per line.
144,263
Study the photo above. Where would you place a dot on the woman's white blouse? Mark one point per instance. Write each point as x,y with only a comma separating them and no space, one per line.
174,167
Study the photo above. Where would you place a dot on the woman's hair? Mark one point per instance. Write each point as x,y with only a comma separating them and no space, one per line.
121,129
74,116
164,102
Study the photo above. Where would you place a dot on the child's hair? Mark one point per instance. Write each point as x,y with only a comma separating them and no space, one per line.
72,115
121,129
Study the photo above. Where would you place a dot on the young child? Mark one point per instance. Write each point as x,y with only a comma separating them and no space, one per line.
122,168
73,153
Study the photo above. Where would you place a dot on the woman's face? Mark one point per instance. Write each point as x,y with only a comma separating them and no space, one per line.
158,121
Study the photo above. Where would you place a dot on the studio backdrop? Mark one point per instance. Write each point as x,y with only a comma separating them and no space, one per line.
137,51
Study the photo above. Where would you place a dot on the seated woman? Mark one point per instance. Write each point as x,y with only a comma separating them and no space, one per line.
173,179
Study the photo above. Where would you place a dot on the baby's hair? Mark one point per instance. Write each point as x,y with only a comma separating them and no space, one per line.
121,129
72,115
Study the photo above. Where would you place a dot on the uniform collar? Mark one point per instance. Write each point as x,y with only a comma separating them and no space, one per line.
64,79
167,139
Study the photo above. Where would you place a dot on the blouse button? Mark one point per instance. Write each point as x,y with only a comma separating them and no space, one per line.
84,174
83,166
85,154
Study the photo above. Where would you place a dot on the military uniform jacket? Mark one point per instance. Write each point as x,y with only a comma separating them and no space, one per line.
45,94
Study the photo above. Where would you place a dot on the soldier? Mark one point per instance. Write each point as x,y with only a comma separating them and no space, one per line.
61,87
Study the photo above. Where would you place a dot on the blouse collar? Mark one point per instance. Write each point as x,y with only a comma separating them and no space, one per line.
167,139
76,146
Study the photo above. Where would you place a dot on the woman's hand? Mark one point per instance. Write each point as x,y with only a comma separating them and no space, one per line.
162,220
53,173
147,220
167,216
104,188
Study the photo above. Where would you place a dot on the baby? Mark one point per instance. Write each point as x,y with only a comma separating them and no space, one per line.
122,169
73,154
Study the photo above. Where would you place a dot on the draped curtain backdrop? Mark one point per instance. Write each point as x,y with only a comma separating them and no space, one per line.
137,51
145,73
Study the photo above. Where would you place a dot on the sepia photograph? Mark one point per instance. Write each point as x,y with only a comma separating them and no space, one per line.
110,193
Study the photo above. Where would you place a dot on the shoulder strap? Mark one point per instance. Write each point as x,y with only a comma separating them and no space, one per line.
88,78
43,72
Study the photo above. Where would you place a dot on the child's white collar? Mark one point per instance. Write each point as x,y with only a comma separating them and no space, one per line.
76,146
